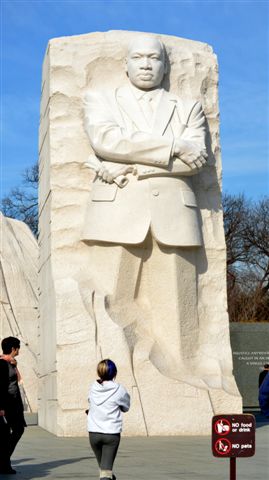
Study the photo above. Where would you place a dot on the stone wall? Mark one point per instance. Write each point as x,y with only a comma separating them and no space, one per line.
19,299
250,352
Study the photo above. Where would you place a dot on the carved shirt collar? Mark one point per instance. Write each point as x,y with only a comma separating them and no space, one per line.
154,94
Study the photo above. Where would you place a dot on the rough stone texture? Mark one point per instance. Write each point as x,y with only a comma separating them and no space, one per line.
72,339
19,302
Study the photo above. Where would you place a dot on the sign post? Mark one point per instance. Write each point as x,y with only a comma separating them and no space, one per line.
233,436
233,468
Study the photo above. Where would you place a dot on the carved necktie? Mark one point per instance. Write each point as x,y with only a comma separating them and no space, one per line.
146,103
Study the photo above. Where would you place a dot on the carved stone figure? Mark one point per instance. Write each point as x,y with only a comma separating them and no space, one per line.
132,251
148,144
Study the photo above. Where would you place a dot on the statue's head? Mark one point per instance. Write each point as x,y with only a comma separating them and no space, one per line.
146,62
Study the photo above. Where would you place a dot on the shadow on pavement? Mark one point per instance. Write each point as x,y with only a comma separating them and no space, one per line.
41,470
261,420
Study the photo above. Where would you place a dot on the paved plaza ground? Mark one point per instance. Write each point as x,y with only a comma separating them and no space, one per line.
42,455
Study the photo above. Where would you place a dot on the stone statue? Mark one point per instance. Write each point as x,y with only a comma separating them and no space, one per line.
148,144
132,251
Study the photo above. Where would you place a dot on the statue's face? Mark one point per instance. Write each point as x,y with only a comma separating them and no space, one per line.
145,63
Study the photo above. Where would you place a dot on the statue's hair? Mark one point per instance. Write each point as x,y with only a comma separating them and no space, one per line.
131,43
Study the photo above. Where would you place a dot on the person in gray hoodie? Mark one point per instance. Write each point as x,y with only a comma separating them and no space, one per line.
107,400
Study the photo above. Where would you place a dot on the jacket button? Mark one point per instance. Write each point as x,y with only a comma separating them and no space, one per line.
155,193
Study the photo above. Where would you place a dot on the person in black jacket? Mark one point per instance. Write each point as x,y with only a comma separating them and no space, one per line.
263,373
264,396
12,420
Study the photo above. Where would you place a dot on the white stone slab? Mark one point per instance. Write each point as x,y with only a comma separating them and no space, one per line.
19,302
76,329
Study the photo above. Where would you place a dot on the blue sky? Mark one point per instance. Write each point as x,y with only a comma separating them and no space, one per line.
237,31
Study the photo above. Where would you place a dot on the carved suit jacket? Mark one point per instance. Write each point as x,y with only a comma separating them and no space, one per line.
160,196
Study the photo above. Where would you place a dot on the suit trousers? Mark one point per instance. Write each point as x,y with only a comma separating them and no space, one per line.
151,291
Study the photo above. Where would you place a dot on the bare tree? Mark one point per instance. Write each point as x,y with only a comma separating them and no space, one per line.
22,202
246,226
235,211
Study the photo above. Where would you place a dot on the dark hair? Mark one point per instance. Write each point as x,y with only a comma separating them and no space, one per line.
106,370
8,343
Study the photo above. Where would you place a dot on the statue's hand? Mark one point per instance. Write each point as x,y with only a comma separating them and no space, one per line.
190,153
193,161
108,175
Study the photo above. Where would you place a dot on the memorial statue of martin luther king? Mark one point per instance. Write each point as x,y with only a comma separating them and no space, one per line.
132,249
148,144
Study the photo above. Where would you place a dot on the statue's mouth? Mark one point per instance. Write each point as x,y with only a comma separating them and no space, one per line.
145,76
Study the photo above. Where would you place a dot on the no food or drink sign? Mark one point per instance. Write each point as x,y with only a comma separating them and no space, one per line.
233,436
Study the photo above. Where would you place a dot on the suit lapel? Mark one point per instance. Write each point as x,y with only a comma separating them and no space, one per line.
163,113
130,106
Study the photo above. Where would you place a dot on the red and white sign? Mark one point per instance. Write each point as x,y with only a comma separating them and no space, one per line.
233,435
223,446
222,426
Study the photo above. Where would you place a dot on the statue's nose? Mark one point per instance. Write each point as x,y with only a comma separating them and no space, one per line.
146,63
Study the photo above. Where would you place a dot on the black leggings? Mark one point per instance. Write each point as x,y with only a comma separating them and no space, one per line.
105,447
9,437
15,435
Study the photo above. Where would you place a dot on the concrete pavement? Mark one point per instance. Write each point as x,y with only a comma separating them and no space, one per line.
42,455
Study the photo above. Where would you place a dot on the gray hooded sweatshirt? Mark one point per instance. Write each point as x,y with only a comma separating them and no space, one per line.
107,402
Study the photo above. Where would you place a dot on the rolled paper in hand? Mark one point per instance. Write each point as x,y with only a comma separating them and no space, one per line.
95,164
